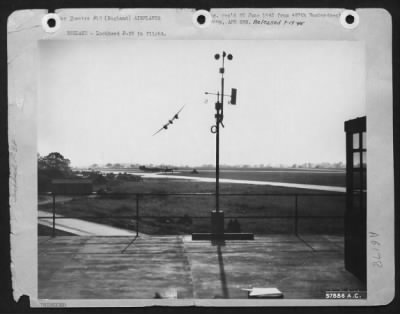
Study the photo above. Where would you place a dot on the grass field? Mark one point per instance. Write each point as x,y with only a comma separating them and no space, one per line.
163,214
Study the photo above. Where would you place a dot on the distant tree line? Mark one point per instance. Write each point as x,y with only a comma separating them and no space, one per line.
321,165
52,166
56,166
308,165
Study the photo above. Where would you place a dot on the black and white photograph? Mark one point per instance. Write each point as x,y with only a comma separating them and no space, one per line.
187,169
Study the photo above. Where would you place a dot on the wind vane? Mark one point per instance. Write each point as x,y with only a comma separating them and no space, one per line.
170,121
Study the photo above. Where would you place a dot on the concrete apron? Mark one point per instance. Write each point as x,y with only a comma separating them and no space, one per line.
96,267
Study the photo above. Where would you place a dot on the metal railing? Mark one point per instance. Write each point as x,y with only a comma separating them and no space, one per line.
138,197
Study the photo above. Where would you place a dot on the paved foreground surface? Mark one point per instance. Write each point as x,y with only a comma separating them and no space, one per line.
176,267
82,227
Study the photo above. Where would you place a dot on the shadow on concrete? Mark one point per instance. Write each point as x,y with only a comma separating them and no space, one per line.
222,275
130,243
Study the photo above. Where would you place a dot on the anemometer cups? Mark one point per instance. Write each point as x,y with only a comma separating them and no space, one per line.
217,56
214,129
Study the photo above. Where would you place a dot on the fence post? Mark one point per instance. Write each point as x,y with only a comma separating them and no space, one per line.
296,217
137,215
54,215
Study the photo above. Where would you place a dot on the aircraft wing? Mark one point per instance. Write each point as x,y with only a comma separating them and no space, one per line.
158,131
176,114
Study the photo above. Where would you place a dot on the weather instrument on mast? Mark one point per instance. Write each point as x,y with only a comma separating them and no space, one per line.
217,216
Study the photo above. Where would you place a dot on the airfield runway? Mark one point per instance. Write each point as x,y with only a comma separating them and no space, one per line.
318,187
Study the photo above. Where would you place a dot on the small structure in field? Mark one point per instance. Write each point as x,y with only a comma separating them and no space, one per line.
71,186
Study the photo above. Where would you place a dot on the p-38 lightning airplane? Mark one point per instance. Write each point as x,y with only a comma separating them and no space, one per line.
165,126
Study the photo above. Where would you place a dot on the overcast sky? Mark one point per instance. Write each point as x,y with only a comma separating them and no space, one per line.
101,101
